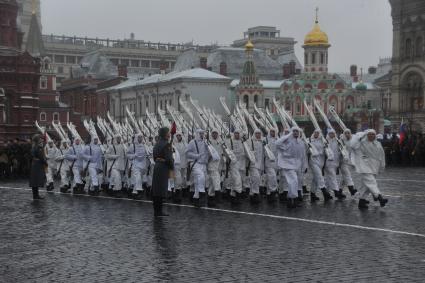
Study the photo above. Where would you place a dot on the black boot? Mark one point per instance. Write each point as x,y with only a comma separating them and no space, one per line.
326,195
211,201
313,198
363,204
157,206
352,190
96,190
339,195
305,191
35,194
50,187
177,196
64,190
235,200
202,199
300,196
196,202
81,189
291,203
75,189
217,197
254,199
283,197
382,201
271,198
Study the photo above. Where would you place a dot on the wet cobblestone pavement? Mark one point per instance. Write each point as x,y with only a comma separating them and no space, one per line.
67,238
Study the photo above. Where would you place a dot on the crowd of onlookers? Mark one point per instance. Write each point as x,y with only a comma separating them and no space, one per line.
409,152
15,156
15,159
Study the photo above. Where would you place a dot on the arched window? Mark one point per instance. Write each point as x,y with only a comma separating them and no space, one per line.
408,47
43,116
305,58
56,116
419,46
322,58
43,82
246,100
298,106
313,58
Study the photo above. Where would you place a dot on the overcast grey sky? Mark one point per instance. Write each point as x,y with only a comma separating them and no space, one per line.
360,31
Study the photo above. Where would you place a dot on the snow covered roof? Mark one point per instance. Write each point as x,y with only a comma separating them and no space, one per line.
369,86
286,58
266,83
196,73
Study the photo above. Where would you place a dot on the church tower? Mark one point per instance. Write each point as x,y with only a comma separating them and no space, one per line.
316,45
250,91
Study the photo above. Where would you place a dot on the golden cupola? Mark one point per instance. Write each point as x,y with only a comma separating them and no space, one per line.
249,46
316,37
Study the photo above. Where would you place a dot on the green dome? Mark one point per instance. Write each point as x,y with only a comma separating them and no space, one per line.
361,86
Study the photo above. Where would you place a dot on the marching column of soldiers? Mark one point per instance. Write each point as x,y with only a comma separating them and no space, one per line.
218,161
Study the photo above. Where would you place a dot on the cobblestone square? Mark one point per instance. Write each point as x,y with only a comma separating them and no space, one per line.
67,238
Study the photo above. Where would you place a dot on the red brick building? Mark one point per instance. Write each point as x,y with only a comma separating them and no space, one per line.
19,79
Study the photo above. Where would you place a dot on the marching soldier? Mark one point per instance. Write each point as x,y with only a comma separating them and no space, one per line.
137,154
369,159
331,167
347,164
255,169
116,155
292,159
270,166
180,146
233,181
93,157
51,153
213,169
63,166
317,162
197,154
75,156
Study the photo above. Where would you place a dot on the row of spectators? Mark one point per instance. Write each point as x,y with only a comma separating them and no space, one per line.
15,159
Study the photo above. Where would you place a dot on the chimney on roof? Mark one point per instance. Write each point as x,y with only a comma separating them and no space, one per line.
203,62
286,71
292,68
353,73
372,70
122,70
223,68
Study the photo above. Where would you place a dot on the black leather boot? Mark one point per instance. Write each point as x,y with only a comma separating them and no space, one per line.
283,197
271,198
96,190
211,201
291,203
363,204
157,206
196,202
254,199
305,191
35,194
352,190
300,196
382,201
313,198
235,200
217,197
50,187
177,198
326,195
339,195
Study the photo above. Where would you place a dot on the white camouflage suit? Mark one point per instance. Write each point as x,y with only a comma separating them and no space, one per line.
271,165
51,152
369,157
214,167
63,163
347,165
93,157
116,155
137,154
256,169
180,147
317,162
234,180
292,161
75,158
197,154
331,167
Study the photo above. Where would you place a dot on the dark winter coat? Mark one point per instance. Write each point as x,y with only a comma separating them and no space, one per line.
164,163
38,165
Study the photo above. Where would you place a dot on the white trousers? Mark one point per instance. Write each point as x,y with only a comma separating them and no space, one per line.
294,180
178,179
244,178
77,175
64,175
213,182
346,179
115,179
331,180
234,181
368,185
137,178
283,185
271,180
318,182
254,178
49,174
95,177
198,173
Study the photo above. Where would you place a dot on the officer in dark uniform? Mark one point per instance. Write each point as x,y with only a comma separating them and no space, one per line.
164,164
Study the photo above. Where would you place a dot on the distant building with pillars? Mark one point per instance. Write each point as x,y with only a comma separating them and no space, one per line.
408,70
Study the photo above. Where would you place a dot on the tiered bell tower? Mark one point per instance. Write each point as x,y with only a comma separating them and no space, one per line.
316,45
